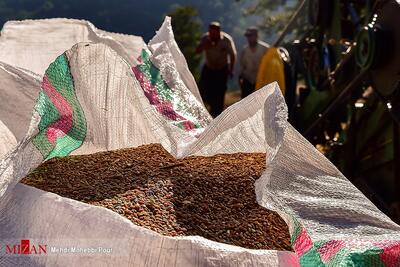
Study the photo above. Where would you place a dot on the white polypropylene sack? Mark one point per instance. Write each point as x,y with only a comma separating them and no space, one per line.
330,221
7,140
45,217
166,35
18,92
34,44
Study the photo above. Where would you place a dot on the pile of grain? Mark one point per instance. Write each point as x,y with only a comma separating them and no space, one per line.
211,197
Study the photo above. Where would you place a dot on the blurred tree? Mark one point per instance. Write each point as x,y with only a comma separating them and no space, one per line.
187,30
276,14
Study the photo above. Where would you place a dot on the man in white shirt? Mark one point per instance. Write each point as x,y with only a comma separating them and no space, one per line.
220,55
250,59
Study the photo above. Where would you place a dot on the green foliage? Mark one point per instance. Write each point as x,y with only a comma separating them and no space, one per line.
276,15
187,30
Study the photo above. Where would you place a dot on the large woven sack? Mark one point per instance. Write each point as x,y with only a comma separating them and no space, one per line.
18,91
7,139
109,104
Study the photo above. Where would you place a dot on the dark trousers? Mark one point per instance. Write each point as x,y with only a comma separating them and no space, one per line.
213,85
246,86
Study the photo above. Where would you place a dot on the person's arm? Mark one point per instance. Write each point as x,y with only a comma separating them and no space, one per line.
242,66
242,62
203,45
232,62
232,56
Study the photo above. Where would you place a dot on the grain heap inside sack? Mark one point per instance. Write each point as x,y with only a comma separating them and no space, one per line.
211,197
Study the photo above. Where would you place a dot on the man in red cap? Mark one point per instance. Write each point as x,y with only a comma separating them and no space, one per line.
250,59
220,54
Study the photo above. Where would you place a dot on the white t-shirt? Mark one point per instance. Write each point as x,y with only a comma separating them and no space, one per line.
250,60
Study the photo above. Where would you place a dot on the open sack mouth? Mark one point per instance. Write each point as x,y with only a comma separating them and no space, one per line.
212,197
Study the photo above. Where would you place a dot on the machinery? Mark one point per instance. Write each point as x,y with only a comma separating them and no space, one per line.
347,103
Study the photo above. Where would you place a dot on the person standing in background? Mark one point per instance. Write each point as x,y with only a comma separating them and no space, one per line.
250,58
220,53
